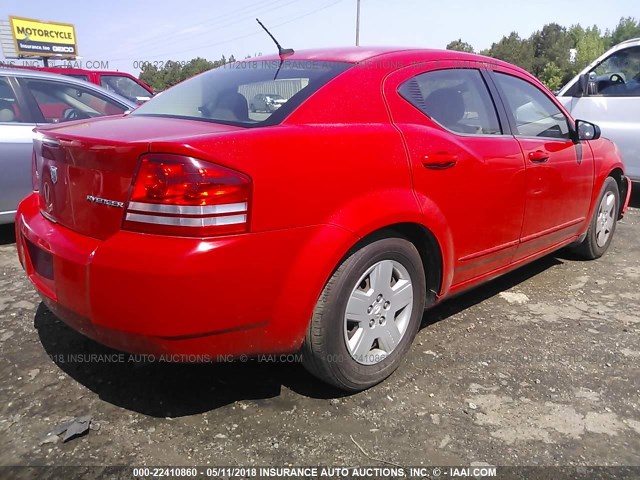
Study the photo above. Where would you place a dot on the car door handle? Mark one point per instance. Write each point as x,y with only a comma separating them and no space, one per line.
538,156
440,161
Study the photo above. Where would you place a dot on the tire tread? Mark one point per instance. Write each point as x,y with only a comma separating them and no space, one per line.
588,248
319,342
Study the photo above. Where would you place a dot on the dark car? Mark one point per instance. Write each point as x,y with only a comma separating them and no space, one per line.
267,102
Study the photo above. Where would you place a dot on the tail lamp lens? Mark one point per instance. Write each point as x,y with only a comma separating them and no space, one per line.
179,195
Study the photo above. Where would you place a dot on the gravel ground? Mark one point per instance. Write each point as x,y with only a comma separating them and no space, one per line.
539,367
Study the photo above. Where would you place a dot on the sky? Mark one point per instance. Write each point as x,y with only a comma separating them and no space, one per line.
125,33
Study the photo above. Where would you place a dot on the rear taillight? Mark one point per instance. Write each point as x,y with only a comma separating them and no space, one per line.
35,178
178,195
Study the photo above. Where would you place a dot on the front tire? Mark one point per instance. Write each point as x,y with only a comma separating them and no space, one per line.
603,223
367,315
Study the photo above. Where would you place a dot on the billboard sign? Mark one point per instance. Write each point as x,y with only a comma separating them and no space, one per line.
43,39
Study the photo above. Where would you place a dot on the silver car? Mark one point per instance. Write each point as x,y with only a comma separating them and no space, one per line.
30,98
607,93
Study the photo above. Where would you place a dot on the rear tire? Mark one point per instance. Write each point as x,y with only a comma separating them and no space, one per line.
367,315
603,223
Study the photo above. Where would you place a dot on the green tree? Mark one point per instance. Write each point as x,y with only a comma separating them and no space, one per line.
576,32
589,47
551,76
460,46
628,27
196,66
173,72
552,44
513,49
588,44
151,76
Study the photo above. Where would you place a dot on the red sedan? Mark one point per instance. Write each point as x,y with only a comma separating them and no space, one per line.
387,181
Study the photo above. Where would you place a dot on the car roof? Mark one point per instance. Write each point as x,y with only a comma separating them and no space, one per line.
339,54
627,43
27,73
364,54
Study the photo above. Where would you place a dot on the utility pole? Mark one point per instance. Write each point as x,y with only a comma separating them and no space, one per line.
358,24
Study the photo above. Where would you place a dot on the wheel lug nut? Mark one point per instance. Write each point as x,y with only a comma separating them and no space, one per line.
372,322
386,304
382,319
369,309
379,297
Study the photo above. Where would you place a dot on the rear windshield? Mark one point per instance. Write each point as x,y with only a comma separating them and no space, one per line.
248,93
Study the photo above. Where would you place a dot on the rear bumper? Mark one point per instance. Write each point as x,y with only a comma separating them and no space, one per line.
236,295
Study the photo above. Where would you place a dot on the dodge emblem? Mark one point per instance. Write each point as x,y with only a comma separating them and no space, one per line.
54,174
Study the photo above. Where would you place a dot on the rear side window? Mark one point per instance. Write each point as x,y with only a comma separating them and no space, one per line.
457,99
534,113
249,93
9,109
125,86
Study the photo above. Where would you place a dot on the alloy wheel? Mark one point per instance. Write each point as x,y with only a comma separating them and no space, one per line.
378,312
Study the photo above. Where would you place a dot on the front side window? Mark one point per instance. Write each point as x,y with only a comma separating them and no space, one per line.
248,93
62,102
9,109
457,99
619,74
534,113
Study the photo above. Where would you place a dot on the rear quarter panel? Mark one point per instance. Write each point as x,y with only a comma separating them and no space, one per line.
355,176
350,179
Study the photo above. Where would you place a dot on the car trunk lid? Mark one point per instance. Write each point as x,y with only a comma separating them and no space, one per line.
85,169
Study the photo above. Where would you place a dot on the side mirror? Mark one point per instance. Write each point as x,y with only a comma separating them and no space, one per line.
587,130
583,84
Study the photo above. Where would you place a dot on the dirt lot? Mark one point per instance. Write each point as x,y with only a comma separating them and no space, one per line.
537,368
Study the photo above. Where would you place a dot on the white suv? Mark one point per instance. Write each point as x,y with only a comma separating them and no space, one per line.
607,93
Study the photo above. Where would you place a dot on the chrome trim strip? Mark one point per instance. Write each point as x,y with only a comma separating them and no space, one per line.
187,209
48,217
51,142
186,222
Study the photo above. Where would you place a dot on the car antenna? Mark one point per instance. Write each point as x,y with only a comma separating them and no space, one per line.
281,51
